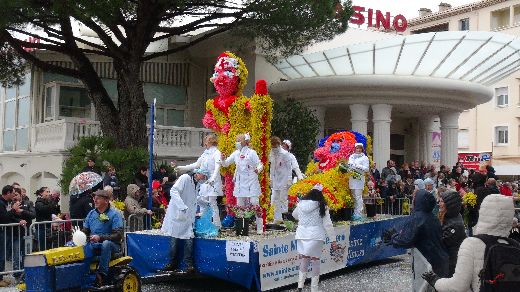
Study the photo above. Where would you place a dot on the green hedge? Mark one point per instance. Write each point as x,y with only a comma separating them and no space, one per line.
103,150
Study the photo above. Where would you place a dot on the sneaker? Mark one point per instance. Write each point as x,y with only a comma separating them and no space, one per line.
357,218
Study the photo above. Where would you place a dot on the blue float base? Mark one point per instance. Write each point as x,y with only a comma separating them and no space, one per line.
151,253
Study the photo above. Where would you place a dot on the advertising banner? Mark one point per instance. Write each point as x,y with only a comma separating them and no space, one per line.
279,260
474,160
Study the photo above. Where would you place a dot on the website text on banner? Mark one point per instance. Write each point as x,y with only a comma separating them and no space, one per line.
475,160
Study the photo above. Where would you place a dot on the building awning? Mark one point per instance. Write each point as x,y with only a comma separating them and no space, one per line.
507,169
472,56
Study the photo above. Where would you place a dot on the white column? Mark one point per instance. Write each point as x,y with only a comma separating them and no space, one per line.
381,142
319,112
449,138
426,131
359,117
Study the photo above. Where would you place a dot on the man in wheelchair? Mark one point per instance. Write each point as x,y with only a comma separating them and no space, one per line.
104,226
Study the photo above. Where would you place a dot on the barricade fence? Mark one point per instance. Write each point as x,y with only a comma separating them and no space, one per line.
396,206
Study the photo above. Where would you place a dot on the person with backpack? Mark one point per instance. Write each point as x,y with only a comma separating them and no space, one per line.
453,232
489,253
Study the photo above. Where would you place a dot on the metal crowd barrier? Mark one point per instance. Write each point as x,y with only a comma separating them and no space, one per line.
398,206
13,246
51,234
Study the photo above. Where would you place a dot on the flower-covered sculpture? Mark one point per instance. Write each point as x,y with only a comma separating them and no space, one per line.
327,171
231,113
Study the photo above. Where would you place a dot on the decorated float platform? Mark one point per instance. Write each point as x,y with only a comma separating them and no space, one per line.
264,262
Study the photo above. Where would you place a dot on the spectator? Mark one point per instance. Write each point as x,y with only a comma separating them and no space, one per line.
104,225
141,177
515,231
91,167
428,186
111,180
453,232
391,195
375,173
405,171
81,205
456,173
161,175
389,170
45,207
167,186
422,231
479,181
132,206
7,217
158,199
506,190
496,216
27,214
490,170
27,204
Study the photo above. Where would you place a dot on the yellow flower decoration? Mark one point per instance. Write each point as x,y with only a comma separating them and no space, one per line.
470,199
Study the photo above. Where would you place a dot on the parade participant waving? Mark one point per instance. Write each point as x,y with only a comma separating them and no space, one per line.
359,163
212,189
180,217
314,225
287,145
248,166
281,178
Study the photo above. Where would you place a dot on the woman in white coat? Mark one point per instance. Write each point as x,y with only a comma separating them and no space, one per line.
359,161
212,189
314,225
180,215
495,218
247,167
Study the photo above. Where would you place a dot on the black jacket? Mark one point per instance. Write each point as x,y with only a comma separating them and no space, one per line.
141,180
45,209
453,231
423,231
29,212
80,205
91,169
7,217
481,192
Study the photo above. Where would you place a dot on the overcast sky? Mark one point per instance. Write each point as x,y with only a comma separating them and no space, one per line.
408,8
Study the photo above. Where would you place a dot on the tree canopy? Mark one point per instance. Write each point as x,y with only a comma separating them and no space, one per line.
127,28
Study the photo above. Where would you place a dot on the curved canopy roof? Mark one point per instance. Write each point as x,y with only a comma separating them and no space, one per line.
474,56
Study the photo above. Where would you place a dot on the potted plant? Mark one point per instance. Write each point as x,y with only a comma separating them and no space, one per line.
243,215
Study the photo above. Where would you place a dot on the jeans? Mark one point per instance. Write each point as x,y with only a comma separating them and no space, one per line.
188,251
107,248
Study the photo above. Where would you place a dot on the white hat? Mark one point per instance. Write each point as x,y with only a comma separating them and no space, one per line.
247,137
288,143
359,144
318,187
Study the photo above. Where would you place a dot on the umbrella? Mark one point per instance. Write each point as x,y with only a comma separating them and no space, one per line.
83,182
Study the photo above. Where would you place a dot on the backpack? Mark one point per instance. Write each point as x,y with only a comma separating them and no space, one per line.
501,270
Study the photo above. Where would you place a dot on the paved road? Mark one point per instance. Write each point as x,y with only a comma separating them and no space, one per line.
389,275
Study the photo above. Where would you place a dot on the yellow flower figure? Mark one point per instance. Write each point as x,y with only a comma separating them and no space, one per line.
231,114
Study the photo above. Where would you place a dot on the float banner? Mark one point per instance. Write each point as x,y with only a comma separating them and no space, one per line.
475,160
279,259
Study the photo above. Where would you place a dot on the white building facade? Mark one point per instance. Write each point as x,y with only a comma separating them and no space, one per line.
492,126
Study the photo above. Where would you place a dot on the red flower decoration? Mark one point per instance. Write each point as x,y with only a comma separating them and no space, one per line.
261,87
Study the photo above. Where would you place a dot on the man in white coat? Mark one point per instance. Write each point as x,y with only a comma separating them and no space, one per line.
360,163
287,146
180,216
247,167
281,178
212,189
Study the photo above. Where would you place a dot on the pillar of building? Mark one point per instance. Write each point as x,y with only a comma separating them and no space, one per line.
359,118
382,114
449,137
319,112
426,132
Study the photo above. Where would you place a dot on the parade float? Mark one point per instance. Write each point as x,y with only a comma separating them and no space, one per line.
270,260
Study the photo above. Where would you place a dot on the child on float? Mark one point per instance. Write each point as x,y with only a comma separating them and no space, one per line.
314,225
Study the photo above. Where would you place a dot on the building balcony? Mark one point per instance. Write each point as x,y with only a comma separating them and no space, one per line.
170,142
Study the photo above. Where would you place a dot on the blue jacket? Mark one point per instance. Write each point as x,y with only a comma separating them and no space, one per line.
423,231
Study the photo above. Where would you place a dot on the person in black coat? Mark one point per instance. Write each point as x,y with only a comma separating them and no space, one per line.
141,177
91,167
479,181
45,207
453,232
422,231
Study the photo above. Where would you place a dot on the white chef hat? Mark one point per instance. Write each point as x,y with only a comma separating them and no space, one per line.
318,187
288,143
359,144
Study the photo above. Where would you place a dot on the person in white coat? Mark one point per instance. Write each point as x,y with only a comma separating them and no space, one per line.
180,216
358,161
287,146
247,167
281,178
495,218
212,189
314,225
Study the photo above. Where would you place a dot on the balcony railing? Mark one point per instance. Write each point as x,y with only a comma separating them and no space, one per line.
183,142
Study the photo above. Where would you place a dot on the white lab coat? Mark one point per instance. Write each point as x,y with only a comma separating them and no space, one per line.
359,161
295,166
180,214
280,171
209,160
246,180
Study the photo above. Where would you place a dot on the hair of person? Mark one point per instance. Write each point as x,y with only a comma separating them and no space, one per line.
275,141
143,168
211,139
316,195
111,168
40,191
7,189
